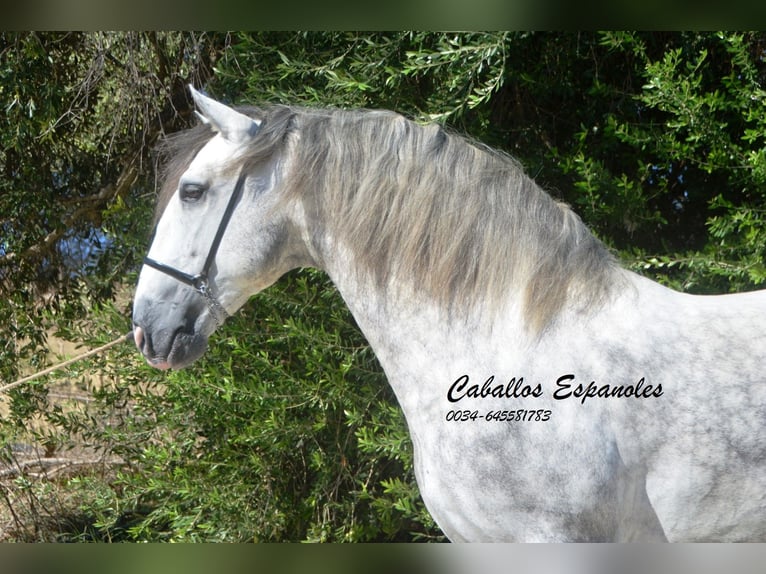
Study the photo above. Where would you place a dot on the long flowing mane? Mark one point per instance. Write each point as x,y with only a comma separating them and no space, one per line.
458,220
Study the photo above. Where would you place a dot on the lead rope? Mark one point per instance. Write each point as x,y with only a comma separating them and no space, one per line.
126,337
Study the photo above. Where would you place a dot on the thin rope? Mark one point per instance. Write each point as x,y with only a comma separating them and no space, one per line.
126,337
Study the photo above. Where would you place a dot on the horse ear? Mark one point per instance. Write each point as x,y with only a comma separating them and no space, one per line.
231,124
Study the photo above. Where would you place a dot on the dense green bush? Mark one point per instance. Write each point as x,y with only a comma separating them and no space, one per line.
286,429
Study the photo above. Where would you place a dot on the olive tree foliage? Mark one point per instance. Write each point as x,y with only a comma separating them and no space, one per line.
80,115
286,429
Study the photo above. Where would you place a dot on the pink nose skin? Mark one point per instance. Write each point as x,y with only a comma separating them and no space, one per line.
159,364
138,337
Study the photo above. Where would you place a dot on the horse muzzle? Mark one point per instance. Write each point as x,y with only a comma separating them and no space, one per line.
171,340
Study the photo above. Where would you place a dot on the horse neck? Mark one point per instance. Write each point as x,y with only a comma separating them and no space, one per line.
401,301
411,333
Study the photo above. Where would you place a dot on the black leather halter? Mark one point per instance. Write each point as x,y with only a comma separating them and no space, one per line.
201,281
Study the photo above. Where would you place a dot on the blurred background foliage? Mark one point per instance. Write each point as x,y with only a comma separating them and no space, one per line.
286,429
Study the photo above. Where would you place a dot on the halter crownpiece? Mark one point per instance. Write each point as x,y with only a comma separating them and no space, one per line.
201,281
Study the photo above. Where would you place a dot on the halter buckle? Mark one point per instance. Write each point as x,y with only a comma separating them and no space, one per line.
200,284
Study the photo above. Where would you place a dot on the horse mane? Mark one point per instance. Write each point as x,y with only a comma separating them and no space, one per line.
461,222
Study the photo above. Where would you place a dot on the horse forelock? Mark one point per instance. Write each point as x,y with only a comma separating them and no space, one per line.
458,220
178,150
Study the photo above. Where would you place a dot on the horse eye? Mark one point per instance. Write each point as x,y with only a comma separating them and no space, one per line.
192,191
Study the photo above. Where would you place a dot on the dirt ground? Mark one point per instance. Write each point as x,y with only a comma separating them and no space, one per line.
29,481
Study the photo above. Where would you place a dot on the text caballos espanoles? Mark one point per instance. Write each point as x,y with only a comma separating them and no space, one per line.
565,387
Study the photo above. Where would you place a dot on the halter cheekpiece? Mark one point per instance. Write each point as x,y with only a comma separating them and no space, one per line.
201,281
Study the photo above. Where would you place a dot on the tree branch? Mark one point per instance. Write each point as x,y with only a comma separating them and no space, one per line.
126,179
55,464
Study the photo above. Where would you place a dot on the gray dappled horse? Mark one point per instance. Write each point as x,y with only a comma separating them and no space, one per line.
550,394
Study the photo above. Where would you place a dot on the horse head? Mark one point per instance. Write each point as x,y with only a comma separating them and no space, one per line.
223,236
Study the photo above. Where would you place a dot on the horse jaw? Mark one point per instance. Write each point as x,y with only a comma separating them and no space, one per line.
231,124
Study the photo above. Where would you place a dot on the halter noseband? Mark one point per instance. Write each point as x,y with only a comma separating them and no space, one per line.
201,281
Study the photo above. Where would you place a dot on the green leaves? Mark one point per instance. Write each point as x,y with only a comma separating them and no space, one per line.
467,68
285,430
